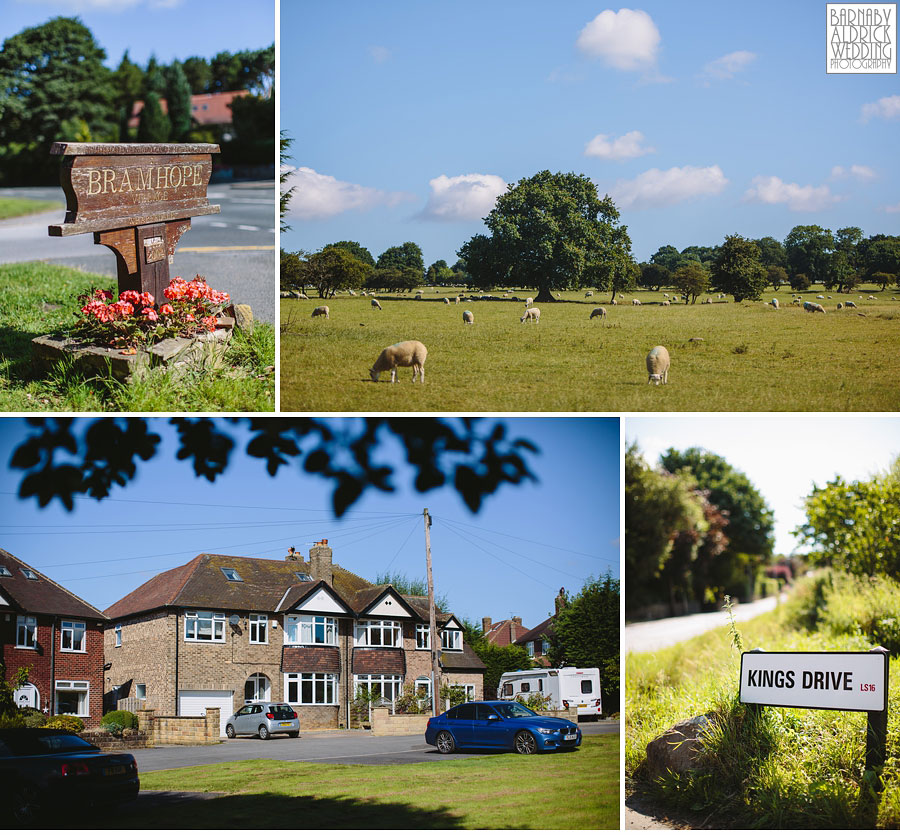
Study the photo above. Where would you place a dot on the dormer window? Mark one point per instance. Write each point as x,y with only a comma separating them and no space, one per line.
303,577
4,571
29,573
451,639
231,574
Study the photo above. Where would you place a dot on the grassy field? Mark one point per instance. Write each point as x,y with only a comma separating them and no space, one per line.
751,357
572,790
787,769
37,299
19,206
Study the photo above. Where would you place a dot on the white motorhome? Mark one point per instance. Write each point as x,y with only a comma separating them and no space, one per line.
565,687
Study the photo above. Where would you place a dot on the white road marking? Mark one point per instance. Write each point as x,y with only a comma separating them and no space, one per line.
250,228
218,223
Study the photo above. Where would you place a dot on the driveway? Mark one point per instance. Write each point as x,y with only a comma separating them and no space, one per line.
342,747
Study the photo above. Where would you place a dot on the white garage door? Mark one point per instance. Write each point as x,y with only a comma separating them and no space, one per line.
195,702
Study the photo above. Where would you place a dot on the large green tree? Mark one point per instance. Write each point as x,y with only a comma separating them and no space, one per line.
53,86
771,252
178,97
552,232
808,251
880,254
154,125
406,256
692,279
128,80
654,276
586,633
357,250
335,269
737,269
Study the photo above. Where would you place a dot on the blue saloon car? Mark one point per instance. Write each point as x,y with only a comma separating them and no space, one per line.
506,726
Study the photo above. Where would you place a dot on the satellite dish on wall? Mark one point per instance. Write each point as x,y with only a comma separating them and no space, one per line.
234,620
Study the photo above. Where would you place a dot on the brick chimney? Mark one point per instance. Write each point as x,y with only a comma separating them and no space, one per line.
293,555
485,625
320,566
515,625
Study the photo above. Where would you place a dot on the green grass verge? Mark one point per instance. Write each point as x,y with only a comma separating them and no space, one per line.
788,768
20,206
572,790
37,299
752,357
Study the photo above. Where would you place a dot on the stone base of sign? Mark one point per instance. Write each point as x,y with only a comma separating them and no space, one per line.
206,351
678,749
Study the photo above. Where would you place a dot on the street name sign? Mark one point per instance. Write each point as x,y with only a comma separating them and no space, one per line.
816,680
137,199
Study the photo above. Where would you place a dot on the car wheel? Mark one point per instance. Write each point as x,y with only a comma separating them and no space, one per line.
445,742
293,734
26,804
263,732
526,743
229,731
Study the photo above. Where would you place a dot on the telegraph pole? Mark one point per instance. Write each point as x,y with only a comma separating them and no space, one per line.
432,621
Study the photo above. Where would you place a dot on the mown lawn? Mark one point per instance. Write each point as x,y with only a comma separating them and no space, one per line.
20,206
572,790
38,299
788,769
751,357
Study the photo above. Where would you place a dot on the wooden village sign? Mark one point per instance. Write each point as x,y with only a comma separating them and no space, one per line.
137,199
823,681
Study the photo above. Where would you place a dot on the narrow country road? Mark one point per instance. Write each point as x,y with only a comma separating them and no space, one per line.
650,636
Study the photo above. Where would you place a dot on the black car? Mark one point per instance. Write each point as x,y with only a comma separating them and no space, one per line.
42,770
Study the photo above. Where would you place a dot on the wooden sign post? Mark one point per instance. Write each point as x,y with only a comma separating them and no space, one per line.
137,199
824,681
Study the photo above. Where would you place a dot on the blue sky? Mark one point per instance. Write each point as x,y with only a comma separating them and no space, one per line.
701,119
170,29
782,454
509,559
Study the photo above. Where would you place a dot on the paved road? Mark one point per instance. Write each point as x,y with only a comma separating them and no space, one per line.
657,634
341,747
235,249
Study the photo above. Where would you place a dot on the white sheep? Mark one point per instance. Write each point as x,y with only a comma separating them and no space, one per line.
529,301
635,301
849,304
839,305
351,292
614,301
303,296
376,303
589,294
456,300
321,311
774,303
468,317
708,300
872,298
446,301
658,365
403,354
667,303
813,307
598,311
820,297
665,295
533,314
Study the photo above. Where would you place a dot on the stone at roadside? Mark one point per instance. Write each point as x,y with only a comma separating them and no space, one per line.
243,317
678,749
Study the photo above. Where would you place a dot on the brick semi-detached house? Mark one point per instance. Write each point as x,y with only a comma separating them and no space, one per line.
223,630
57,637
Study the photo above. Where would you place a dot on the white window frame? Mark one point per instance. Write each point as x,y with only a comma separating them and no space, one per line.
69,629
216,622
25,625
469,688
423,636
260,682
379,680
305,630
118,633
83,688
545,647
258,628
451,640
140,691
311,688
367,629
530,647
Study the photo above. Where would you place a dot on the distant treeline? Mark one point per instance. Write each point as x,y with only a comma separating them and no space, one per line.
55,87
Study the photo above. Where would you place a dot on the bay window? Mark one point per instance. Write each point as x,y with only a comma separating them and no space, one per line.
311,688
310,629
378,633
72,697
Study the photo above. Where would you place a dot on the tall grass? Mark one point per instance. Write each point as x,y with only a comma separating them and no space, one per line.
774,767
751,356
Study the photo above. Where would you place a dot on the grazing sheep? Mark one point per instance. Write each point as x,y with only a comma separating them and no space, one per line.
598,311
658,365
468,317
446,301
351,292
796,302
667,303
533,314
404,354
614,301
303,296
665,295
774,303
321,311
589,294
621,295
529,301
820,297
849,304
418,297
813,307
872,298
376,303
456,300
635,301
708,300
839,306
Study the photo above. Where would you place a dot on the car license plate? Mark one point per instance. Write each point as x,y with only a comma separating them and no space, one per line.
582,705
286,724
570,737
113,770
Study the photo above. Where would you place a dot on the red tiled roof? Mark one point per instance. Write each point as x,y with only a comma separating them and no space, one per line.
498,634
206,108
311,660
379,661
42,595
543,628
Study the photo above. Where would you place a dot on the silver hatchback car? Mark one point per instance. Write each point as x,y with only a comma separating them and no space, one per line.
263,719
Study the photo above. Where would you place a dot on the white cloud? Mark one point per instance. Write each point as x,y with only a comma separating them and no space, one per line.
319,196
466,197
861,172
379,54
895,209
656,188
627,146
773,190
726,66
627,39
886,108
